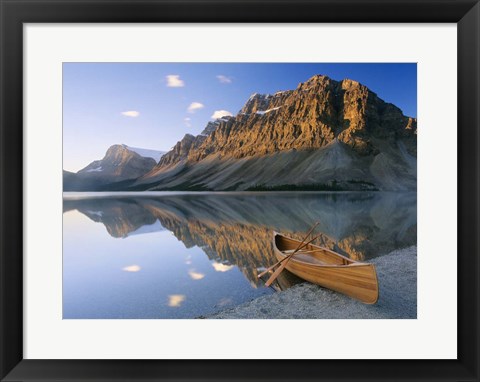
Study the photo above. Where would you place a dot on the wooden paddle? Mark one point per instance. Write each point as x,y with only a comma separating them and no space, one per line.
299,247
291,254
284,263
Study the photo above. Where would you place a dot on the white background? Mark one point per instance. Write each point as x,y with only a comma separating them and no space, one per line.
431,335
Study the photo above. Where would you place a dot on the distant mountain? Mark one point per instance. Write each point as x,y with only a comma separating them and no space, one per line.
324,135
120,163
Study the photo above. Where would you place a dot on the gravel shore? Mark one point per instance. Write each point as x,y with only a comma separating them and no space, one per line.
397,275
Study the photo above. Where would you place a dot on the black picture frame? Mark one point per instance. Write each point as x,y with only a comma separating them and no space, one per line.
14,13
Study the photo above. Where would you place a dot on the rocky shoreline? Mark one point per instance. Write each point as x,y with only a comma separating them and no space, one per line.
397,275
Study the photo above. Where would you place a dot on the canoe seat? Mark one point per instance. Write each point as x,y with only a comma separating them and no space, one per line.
306,258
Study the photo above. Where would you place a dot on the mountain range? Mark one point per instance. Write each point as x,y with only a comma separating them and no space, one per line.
323,135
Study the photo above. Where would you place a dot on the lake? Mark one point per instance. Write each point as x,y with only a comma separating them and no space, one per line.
187,255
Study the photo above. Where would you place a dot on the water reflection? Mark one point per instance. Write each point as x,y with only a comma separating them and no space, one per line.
358,224
175,300
234,231
132,268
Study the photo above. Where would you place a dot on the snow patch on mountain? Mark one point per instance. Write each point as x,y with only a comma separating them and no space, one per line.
147,153
95,169
262,112
152,228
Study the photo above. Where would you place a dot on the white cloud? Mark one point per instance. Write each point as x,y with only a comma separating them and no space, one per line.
220,114
224,79
219,267
194,106
174,81
132,268
187,122
131,113
175,300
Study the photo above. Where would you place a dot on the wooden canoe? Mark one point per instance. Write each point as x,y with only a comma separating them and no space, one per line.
329,269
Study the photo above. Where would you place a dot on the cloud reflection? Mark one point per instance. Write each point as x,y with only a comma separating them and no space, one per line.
132,268
175,300
219,267
195,275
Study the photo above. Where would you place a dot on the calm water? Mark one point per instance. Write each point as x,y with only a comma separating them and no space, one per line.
178,255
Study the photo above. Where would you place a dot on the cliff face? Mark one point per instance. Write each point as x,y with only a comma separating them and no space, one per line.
322,133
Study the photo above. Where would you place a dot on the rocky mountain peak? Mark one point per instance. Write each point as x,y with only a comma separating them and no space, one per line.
180,150
213,125
348,84
315,81
114,150
255,102
322,83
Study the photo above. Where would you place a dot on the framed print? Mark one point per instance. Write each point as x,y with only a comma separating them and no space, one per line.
239,190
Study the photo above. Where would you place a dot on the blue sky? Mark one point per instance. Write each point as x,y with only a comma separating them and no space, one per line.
153,105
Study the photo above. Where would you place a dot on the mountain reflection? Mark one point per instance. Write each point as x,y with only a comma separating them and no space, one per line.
236,229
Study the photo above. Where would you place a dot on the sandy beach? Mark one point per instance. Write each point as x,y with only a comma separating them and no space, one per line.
397,275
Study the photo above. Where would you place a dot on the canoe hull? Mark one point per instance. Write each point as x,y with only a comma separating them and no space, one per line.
357,280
